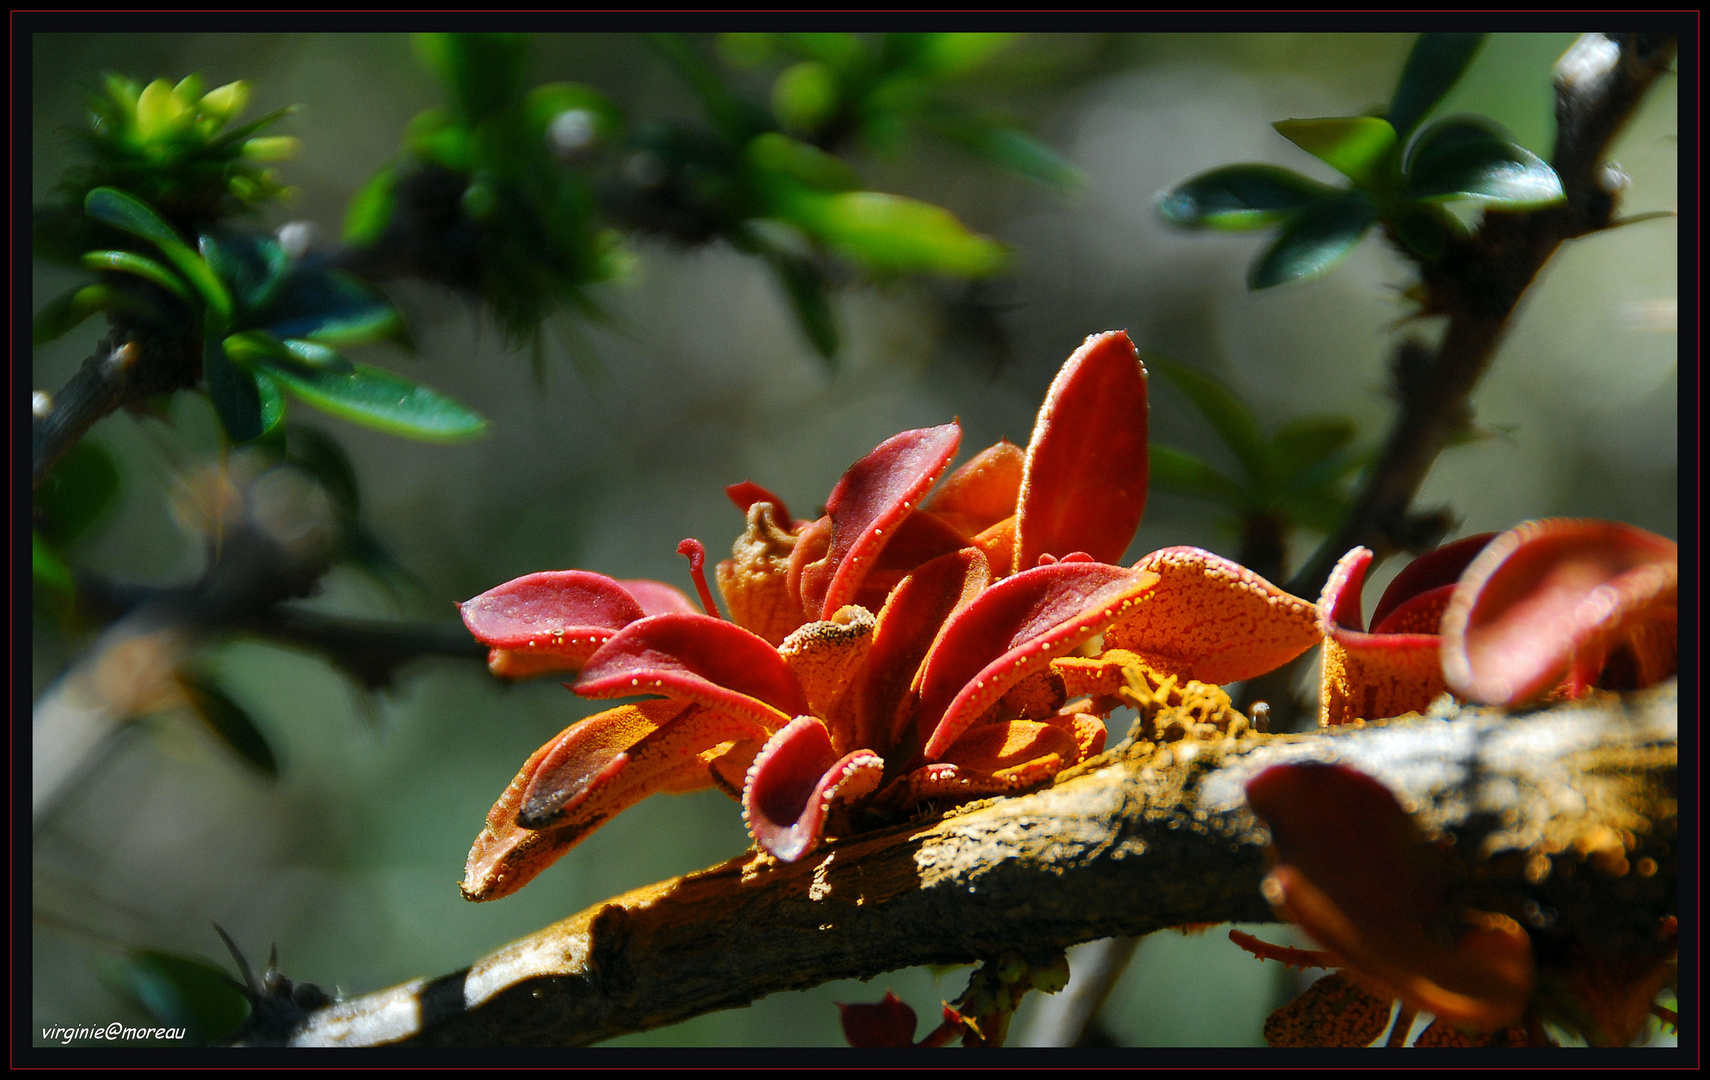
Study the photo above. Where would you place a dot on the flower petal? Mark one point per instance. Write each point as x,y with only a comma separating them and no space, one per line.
1010,631
1084,486
658,598
1429,572
747,493
755,580
1551,595
826,658
696,657
551,621
1357,875
919,538
867,504
1213,620
1368,675
982,492
793,783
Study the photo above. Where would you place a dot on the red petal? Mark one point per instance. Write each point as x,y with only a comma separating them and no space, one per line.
658,598
908,624
1547,593
883,1023
1432,570
1369,675
1213,620
793,783
868,503
982,492
748,493
1013,629
1084,488
918,539
551,621
696,657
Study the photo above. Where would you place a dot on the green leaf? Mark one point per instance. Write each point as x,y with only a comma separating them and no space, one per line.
252,267
805,96
180,991
948,55
1307,441
781,155
124,212
891,234
272,402
1434,65
806,288
1003,146
76,494
50,574
1223,408
330,307
1185,474
1358,147
1426,229
232,389
1470,157
382,400
1314,241
129,262
1318,509
483,71
230,722
545,104
1239,197
67,311
370,209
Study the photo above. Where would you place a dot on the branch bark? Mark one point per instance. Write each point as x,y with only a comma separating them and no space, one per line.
1124,845
1599,82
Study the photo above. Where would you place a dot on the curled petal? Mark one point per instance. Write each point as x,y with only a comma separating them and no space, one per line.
866,506
696,657
551,621
1425,576
794,782
1356,874
982,492
1011,630
1084,486
1213,620
1549,597
506,855
1370,675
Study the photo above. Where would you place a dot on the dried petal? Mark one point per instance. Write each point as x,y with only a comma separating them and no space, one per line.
1013,629
1549,596
1084,486
551,621
700,658
1213,620
755,580
826,658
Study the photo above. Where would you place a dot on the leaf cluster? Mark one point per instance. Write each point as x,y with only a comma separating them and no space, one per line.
1399,175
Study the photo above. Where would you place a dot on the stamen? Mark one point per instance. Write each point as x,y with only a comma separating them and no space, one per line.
697,560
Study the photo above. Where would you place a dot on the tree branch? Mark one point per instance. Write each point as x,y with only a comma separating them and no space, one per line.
1599,82
1124,845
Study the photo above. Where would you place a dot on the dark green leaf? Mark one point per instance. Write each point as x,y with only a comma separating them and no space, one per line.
251,266
244,131
1228,415
735,119
272,402
230,722
1239,197
331,307
1358,147
1314,241
947,55
1306,441
122,211
781,155
75,495
1003,146
382,400
321,456
317,357
806,289
1426,230
891,234
548,103
806,95
1185,474
129,262
483,71
1469,157
844,51
370,209
67,311
1435,63
180,991
50,574
232,389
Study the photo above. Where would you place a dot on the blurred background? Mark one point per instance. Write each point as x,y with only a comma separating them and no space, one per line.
619,441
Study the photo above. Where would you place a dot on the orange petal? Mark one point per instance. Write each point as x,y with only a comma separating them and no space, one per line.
1213,620
1084,485
998,545
1549,595
826,657
1370,676
755,580
982,492
993,759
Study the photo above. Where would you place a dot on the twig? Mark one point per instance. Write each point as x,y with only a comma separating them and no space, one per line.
1598,85
1123,846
